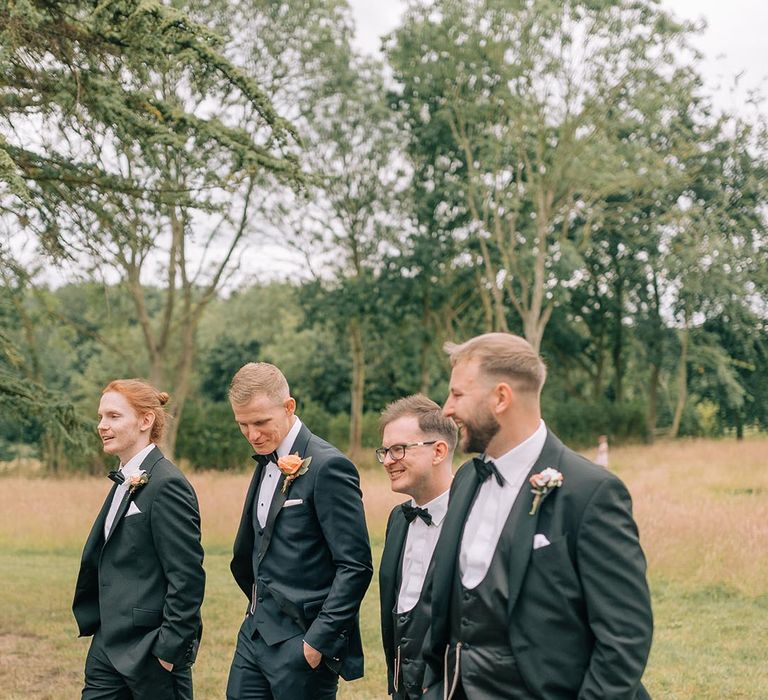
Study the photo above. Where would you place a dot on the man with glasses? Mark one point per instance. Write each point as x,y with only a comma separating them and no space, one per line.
417,452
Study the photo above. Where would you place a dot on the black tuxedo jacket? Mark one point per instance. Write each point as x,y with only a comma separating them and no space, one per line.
314,556
143,587
579,609
390,573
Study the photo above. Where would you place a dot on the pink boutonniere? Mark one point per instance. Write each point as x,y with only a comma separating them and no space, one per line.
137,481
544,482
293,467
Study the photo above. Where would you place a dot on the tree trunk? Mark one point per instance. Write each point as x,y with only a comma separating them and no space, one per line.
358,387
655,343
485,298
682,382
181,384
426,344
653,403
617,348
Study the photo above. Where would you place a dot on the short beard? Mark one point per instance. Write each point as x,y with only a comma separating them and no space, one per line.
479,433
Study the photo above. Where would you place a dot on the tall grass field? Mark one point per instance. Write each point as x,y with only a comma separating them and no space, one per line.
701,506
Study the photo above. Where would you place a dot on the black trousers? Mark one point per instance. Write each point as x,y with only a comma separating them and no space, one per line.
277,672
150,682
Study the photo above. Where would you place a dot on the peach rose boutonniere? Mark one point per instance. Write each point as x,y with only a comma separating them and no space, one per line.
137,481
293,467
544,482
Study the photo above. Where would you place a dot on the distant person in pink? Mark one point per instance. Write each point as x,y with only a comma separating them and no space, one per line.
601,457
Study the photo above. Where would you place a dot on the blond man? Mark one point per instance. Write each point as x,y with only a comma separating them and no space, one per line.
301,554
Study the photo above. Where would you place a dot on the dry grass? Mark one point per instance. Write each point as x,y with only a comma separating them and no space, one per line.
55,514
702,509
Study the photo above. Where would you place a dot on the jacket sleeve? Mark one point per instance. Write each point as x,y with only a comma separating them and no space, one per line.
613,574
339,509
176,535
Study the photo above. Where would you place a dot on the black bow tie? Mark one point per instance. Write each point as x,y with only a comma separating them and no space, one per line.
412,512
485,469
264,460
117,476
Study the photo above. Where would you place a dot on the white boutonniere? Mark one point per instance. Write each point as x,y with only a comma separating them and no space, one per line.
137,481
543,483
293,467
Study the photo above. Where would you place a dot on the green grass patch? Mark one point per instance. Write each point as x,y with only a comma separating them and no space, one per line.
709,643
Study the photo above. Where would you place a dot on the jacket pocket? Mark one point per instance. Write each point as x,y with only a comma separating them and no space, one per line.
147,618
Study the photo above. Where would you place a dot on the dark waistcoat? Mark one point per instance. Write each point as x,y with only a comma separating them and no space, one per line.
480,624
271,617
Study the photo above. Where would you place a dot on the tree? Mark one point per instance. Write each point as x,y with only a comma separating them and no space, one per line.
129,168
536,103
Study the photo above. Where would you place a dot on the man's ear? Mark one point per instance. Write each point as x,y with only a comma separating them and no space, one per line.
147,421
441,451
290,405
503,397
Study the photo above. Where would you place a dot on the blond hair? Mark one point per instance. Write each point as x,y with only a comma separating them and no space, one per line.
429,415
503,355
258,378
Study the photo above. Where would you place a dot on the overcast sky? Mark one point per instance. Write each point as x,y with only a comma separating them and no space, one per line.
736,38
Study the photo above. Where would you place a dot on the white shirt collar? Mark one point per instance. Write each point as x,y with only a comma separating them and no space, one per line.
437,507
132,467
519,460
285,446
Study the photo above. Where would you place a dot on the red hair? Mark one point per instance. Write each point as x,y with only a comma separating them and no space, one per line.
144,398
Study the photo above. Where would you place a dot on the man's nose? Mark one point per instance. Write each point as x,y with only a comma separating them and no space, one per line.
448,408
253,434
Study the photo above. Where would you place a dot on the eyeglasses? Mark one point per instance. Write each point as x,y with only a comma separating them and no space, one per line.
397,452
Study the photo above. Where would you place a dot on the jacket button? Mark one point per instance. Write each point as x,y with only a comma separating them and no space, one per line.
261,532
259,599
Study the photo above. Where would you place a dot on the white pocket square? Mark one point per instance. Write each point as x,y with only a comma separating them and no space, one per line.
540,541
133,509
293,502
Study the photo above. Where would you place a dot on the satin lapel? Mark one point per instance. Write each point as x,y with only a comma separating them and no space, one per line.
300,446
96,536
391,557
524,525
147,465
274,509
447,549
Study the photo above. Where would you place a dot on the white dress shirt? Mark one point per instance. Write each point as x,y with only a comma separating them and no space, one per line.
132,468
272,474
492,506
419,545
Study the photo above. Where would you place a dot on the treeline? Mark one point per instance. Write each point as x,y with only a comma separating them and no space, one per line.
83,335
552,169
